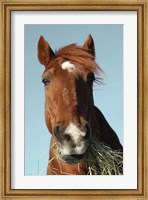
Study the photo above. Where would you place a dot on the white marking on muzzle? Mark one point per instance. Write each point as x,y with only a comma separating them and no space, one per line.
68,65
74,132
76,135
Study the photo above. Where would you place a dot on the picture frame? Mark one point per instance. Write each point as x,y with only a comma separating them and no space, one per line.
5,99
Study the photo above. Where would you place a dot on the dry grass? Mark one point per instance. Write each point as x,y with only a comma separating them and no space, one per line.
102,160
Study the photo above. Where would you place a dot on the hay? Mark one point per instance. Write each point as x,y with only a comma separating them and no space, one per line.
102,160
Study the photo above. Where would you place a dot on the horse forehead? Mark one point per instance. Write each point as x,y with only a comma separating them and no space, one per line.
67,65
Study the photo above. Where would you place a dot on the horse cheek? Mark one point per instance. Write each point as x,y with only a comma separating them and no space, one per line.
48,123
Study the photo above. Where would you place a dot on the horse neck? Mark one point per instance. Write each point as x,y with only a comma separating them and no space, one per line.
94,123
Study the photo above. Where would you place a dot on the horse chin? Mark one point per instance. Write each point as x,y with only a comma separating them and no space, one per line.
72,159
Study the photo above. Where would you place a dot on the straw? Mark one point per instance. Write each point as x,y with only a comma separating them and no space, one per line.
102,160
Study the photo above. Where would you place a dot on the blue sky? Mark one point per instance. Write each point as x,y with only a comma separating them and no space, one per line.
108,96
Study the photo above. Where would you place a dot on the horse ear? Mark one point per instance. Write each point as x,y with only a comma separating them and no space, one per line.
45,53
89,44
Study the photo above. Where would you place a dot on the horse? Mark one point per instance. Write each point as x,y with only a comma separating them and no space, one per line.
70,114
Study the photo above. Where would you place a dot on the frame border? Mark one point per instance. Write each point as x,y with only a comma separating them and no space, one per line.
5,97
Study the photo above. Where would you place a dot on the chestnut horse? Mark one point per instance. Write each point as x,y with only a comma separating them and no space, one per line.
70,114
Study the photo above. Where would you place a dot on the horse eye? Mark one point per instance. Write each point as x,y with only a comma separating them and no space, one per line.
46,81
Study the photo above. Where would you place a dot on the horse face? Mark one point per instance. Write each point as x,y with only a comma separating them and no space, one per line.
68,102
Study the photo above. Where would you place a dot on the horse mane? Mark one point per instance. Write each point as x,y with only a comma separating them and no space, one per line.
81,57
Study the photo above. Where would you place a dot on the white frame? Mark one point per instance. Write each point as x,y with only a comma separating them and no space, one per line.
19,181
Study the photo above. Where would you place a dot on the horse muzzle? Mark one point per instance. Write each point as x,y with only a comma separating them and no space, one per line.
72,133
72,141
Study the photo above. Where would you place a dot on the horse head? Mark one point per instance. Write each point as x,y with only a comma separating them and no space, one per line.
69,107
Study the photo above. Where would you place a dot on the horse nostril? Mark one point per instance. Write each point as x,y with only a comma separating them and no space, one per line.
57,130
58,133
88,132
66,137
